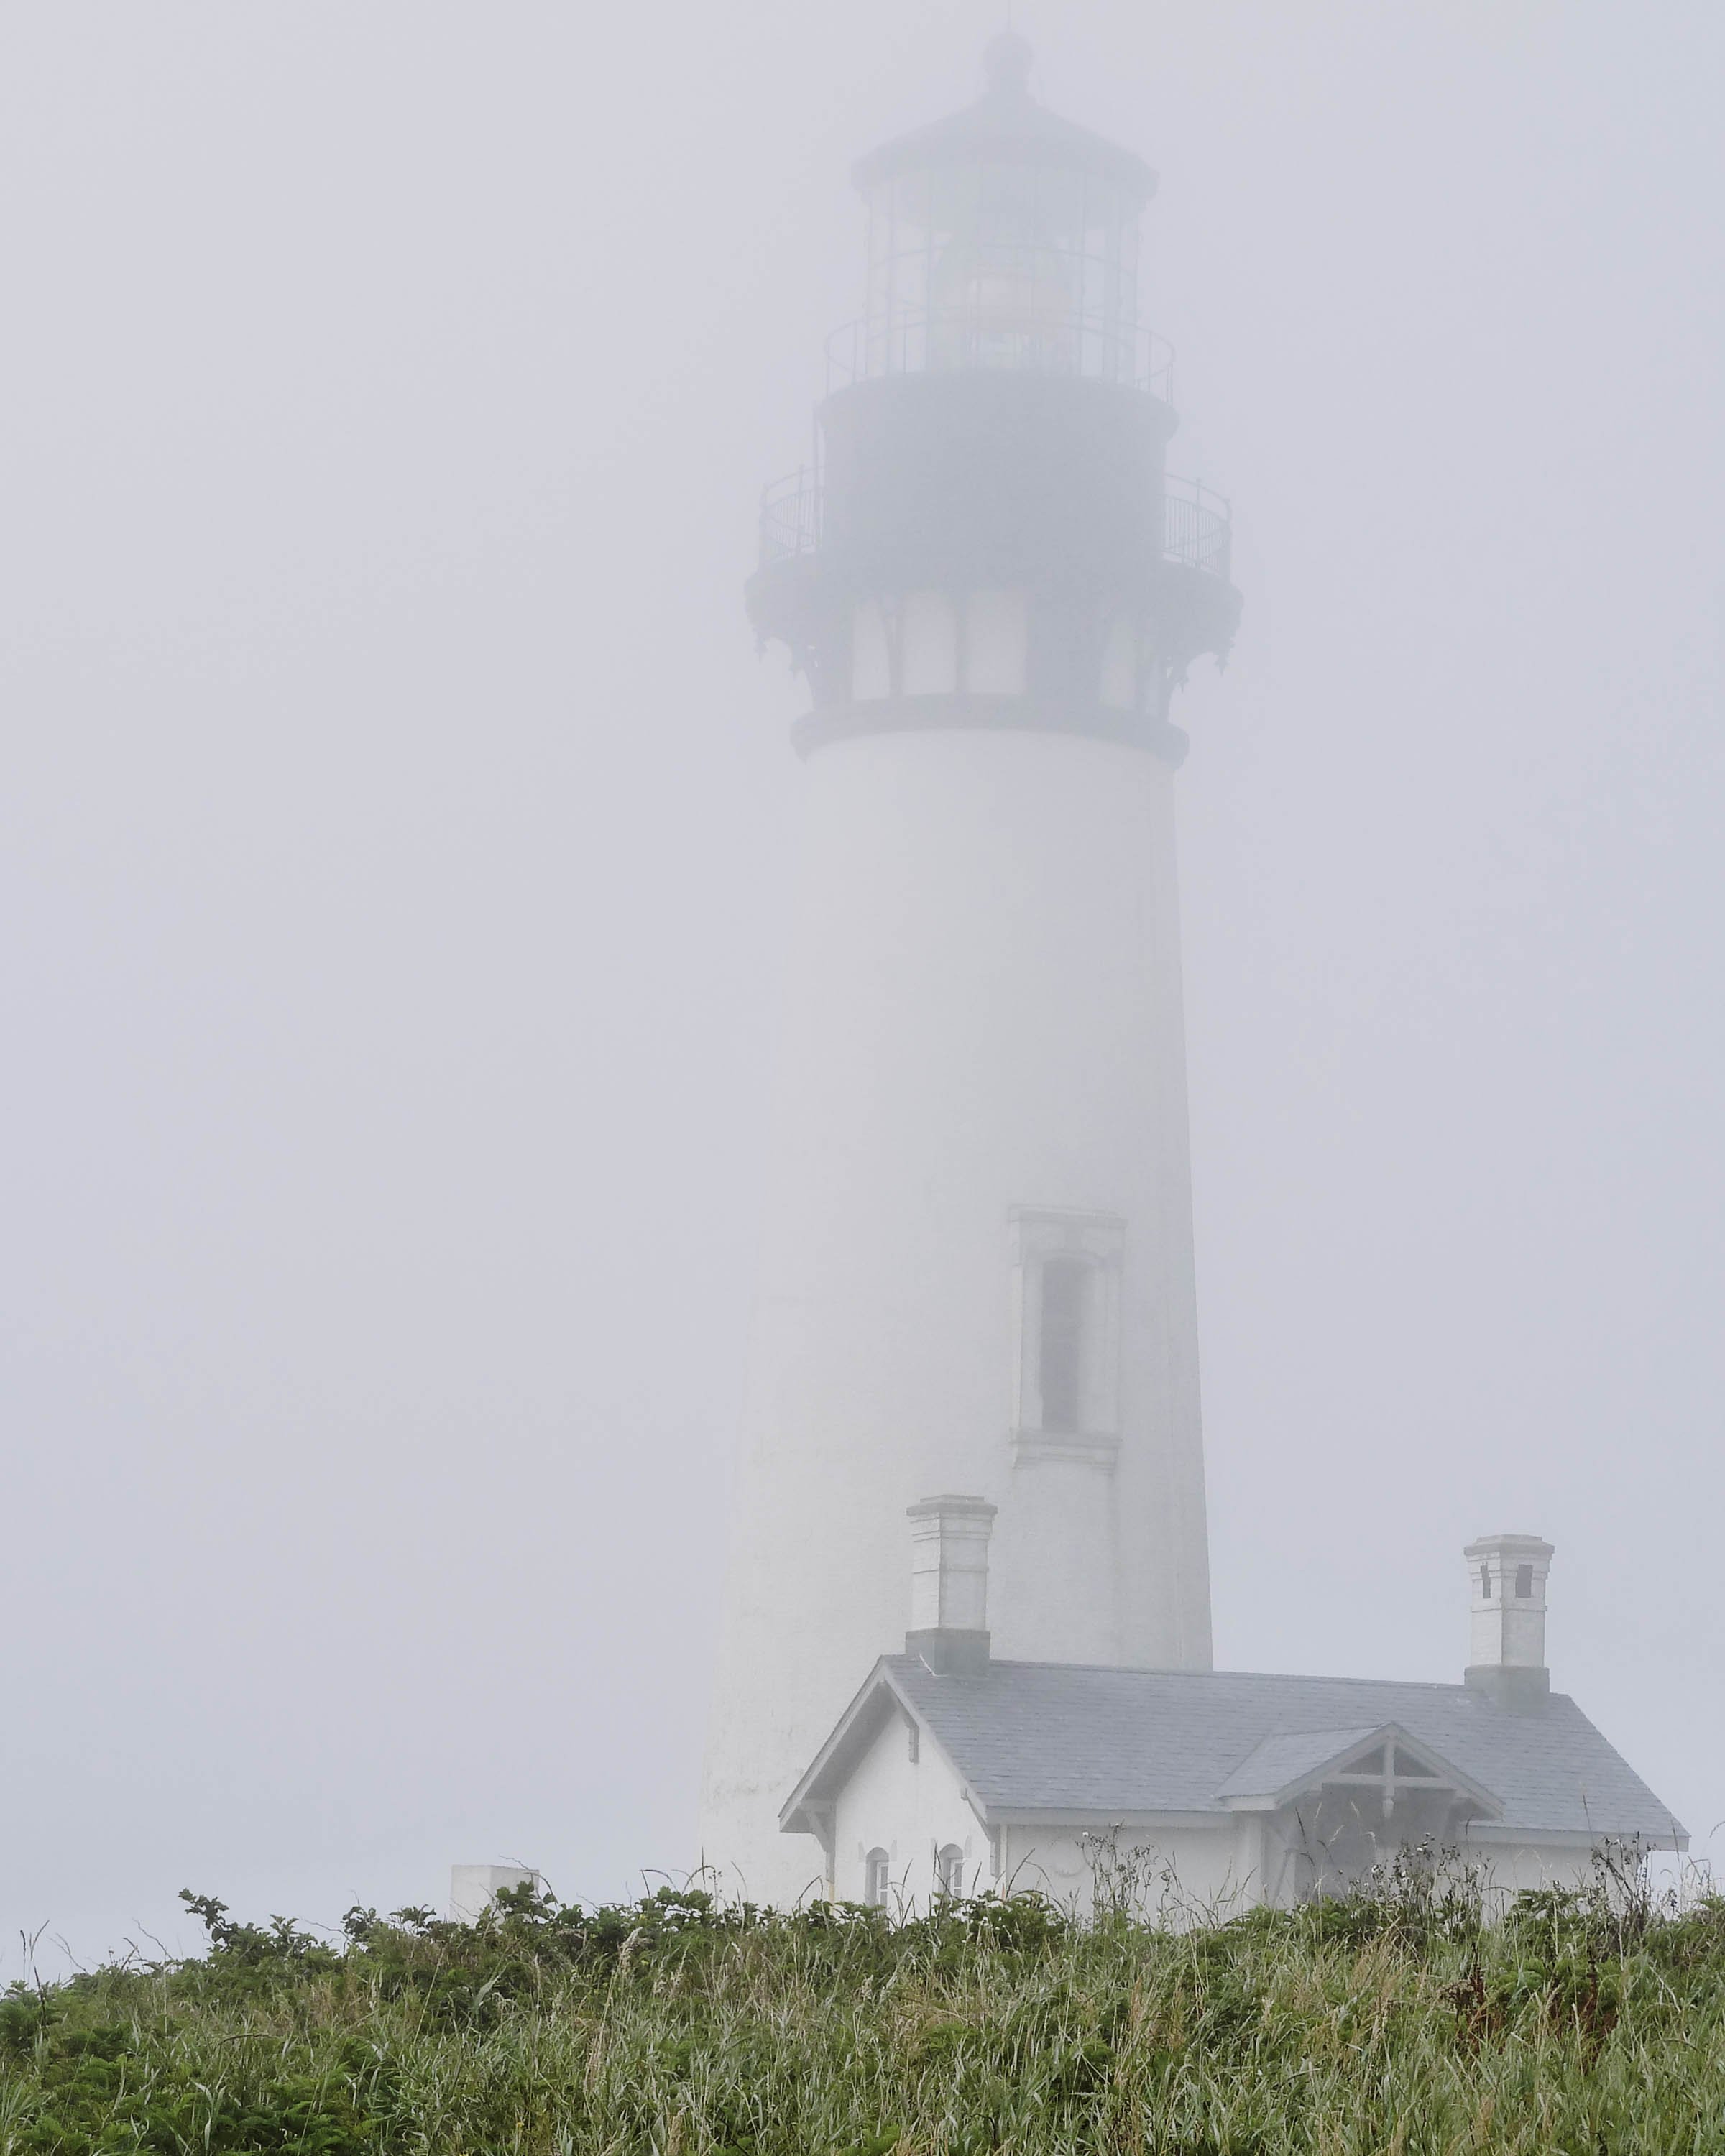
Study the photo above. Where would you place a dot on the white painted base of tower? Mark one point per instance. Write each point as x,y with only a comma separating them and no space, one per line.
983,1017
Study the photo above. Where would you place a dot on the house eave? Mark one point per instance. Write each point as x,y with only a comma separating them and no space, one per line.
1501,1833
810,1805
1105,1820
812,1797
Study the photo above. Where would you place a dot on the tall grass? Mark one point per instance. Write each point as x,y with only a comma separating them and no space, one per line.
1398,2019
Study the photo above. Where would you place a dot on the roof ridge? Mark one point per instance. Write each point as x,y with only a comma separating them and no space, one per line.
1257,1676
1152,1670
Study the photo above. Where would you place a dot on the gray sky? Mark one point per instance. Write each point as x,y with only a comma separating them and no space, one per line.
395,830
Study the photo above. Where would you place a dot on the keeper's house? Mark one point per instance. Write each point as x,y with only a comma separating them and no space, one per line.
950,1771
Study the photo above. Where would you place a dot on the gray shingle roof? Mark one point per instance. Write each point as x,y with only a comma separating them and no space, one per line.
1275,1762
1058,1739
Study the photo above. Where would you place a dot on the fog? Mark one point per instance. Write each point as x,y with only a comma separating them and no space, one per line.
397,824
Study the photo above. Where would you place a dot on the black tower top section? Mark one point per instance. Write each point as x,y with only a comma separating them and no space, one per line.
990,451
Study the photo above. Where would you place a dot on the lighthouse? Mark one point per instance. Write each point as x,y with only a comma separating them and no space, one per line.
975,1273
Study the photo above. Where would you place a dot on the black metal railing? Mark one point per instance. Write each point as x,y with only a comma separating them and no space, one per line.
790,516
1197,526
1002,338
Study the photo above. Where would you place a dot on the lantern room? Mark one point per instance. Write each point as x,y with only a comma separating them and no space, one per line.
988,534
1002,237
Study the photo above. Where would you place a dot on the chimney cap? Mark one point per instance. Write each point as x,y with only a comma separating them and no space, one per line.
935,1508
1526,1545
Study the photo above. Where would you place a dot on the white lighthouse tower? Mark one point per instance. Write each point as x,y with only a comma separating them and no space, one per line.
976,1272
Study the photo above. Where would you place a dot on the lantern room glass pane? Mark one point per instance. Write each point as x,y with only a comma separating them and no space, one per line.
1004,265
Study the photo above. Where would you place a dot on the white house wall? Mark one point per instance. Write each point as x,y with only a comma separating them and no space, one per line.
1518,1867
909,1808
1193,1875
1183,1875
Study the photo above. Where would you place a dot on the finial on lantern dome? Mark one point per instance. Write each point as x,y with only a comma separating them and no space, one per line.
1006,62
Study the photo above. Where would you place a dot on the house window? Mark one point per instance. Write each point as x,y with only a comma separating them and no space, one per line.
949,1872
1066,1306
1524,1582
877,1878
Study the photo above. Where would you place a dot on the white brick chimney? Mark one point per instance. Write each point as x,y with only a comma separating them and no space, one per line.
949,1583
1506,1588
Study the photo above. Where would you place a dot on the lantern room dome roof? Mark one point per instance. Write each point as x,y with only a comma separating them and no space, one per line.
1006,126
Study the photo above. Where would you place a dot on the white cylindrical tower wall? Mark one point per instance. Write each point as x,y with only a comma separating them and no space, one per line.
984,1082
976,1270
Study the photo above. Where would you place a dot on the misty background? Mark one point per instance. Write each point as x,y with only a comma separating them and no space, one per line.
395,830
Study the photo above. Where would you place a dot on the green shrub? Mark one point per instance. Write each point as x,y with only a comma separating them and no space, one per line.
1398,2017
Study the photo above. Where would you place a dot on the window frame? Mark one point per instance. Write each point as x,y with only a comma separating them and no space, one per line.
1037,1236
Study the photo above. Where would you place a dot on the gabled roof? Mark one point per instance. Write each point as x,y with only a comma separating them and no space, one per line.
856,1729
1278,1768
1045,1740
1290,1760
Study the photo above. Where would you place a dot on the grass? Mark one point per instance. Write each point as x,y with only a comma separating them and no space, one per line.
1397,2020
